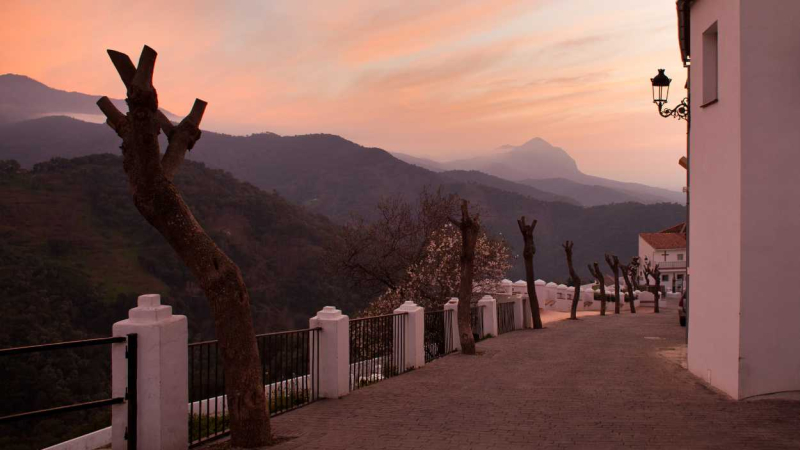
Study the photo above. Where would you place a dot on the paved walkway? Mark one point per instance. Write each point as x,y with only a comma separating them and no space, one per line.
597,383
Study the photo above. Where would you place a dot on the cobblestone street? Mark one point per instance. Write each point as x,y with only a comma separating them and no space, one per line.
599,382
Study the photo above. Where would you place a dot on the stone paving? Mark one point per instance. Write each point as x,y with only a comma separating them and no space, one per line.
596,383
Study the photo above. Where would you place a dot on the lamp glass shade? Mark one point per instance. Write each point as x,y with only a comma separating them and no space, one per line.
660,87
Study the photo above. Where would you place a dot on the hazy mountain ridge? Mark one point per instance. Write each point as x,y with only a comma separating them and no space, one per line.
23,98
537,163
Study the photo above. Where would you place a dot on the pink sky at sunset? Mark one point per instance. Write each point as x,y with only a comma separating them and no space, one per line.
442,80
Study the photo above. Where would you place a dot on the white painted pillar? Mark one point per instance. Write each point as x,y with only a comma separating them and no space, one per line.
506,287
162,377
519,313
334,352
489,315
527,317
541,292
414,334
452,305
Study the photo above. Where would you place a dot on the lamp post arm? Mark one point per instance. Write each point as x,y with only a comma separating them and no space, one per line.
679,112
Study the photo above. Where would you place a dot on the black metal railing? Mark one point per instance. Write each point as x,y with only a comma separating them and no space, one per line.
476,318
438,334
505,317
377,349
290,375
131,353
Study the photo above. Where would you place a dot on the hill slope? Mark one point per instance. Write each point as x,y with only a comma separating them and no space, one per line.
590,195
77,214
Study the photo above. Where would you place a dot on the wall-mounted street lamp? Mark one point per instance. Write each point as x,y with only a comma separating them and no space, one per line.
661,93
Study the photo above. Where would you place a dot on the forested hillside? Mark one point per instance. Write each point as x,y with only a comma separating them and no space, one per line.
76,217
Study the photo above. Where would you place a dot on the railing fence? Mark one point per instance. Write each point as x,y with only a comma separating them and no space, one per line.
289,370
505,317
438,334
131,394
377,349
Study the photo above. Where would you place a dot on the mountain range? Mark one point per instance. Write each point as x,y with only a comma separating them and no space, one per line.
539,164
337,178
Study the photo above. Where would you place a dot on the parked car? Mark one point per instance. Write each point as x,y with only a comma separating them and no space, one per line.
682,309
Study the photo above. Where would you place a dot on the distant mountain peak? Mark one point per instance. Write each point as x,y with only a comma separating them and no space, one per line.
536,141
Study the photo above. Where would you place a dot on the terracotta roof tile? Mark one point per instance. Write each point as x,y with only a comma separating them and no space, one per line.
664,241
679,228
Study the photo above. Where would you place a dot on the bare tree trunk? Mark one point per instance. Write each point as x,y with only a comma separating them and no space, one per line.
633,269
470,229
657,278
656,274
613,262
527,254
626,276
576,280
160,203
598,275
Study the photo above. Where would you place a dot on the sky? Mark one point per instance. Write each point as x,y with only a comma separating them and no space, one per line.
443,80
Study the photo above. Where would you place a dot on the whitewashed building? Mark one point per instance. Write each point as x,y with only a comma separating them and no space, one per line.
744,191
667,248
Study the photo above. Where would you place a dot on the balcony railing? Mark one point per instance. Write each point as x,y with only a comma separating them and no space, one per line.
672,265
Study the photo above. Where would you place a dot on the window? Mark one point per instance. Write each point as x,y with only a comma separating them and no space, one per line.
680,277
680,256
664,277
710,65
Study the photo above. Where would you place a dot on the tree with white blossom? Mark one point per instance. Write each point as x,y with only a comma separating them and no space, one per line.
435,277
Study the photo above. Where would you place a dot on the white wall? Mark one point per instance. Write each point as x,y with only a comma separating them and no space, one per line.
770,311
715,204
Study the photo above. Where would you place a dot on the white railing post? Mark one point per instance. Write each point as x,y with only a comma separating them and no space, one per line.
489,315
414,335
163,385
519,313
541,292
334,352
452,305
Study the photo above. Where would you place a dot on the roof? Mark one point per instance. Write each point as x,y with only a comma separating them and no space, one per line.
664,241
683,7
679,228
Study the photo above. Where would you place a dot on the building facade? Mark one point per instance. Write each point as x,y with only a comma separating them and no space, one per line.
667,248
744,316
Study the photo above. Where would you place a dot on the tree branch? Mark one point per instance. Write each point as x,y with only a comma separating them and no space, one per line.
182,138
124,66
143,79
114,118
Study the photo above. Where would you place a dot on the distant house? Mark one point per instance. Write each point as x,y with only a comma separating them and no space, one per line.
667,248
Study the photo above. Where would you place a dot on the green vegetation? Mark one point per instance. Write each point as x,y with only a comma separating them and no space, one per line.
75,254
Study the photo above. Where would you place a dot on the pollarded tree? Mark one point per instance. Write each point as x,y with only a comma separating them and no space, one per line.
655,272
527,253
598,275
576,280
613,262
155,196
631,298
470,229
634,271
